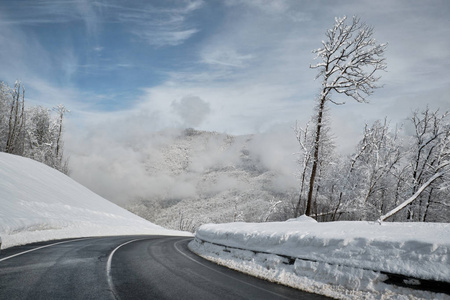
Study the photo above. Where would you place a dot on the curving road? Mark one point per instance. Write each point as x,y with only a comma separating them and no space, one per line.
126,267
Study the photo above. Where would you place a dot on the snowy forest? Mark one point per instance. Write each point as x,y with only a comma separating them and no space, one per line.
389,165
33,132
386,169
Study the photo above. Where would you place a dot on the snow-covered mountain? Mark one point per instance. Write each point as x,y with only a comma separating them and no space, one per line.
202,177
39,203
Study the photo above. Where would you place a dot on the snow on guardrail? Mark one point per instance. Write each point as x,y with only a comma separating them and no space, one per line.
355,255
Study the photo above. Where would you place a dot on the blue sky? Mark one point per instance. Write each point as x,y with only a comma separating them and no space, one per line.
238,66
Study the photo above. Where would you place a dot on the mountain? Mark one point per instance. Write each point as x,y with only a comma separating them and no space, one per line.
200,177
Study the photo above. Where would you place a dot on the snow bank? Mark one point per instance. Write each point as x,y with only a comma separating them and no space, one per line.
419,250
352,255
38,203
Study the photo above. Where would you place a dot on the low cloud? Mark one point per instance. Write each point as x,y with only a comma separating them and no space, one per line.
123,159
192,110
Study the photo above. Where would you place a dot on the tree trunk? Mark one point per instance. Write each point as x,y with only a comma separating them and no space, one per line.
299,203
16,122
424,218
316,156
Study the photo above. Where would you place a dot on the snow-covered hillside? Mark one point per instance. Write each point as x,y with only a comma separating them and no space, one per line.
346,260
198,177
38,203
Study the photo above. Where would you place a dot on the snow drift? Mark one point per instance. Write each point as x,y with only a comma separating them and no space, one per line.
347,260
39,203
420,250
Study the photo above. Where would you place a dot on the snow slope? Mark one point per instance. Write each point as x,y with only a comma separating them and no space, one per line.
347,260
38,203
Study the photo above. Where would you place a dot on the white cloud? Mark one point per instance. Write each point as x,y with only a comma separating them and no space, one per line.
225,57
192,110
30,12
159,26
164,37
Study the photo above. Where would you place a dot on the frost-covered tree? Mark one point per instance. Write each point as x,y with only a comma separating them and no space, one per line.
350,59
16,120
40,133
305,138
4,114
379,154
43,138
359,186
61,164
429,155
31,132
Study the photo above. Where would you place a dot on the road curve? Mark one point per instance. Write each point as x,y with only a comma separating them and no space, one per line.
126,267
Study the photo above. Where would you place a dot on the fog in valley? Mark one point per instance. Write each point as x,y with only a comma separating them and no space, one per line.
167,174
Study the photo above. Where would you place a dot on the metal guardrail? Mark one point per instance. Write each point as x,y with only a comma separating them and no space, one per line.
393,279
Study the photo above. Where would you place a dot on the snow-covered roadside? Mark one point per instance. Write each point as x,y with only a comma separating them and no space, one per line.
339,259
38,203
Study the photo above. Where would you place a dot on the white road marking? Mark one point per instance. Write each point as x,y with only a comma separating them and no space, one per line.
108,267
217,271
34,249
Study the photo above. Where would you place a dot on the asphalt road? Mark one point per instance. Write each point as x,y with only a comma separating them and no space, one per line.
126,267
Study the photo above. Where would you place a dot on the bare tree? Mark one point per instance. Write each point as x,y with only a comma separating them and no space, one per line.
61,165
14,143
31,132
350,58
430,149
416,194
303,137
40,133
4,114
380,154
61,110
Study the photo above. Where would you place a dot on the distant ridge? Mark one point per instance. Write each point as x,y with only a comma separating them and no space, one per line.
201,177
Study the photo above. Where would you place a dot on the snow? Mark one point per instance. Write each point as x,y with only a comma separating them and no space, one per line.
346,260
39,203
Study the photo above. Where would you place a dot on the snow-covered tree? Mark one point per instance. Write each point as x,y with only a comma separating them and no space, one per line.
4,114
378,156
31,132
16,119
40,133
429,155
61,164
305,138
350,59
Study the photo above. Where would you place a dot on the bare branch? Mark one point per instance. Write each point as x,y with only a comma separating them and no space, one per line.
350,59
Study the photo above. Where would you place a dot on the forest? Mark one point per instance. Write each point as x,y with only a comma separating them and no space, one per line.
35,132
386,169
389,165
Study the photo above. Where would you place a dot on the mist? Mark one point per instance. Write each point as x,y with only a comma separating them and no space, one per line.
122,159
